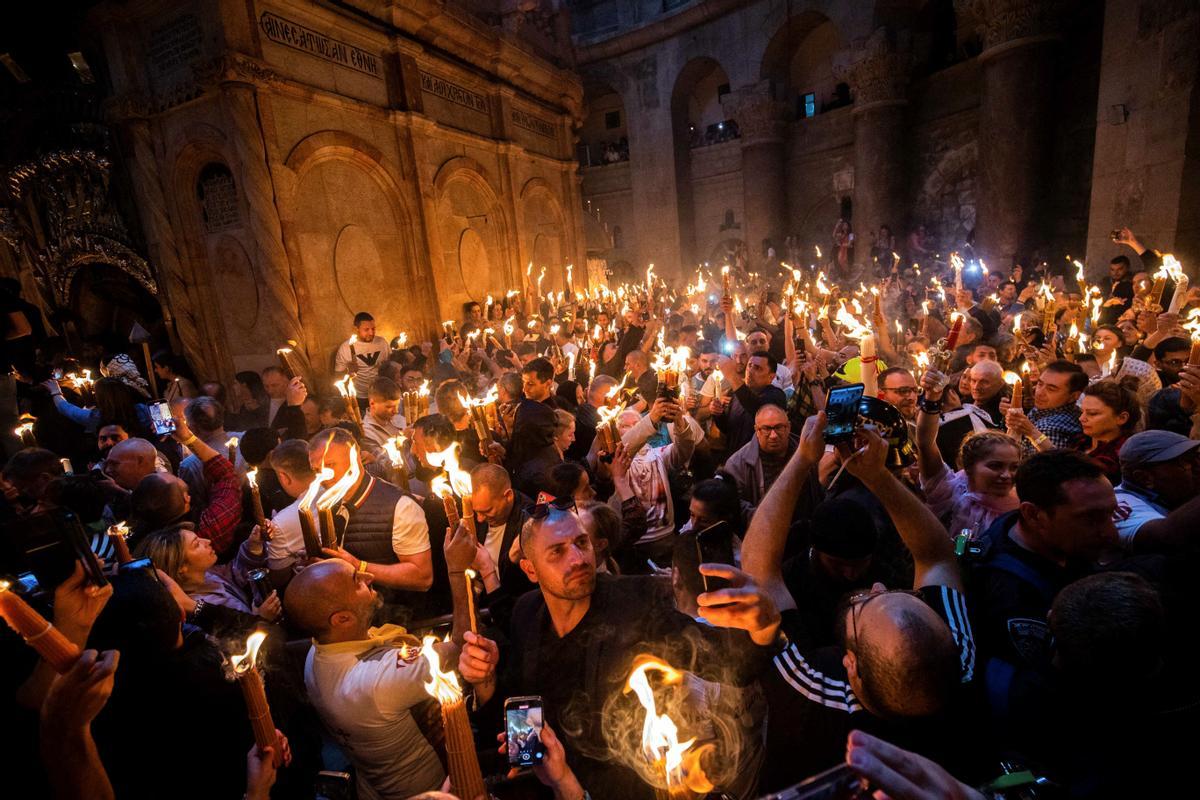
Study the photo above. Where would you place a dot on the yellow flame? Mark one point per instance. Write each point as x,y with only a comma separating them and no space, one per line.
443,686
392,448
252,477
1011,378
119,529
314,488
1193,324
245,661
338,490
345,387
660,734
460,479
922,360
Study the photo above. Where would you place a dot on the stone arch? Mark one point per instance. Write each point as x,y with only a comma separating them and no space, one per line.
689,118
545,229
799,60
473,266
351,242
605,106
946,199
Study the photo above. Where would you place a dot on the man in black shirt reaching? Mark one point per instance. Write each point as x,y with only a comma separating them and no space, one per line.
574,641
907,654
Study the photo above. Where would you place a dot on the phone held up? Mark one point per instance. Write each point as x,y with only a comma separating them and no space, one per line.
160,415
523,725
714,545
841,413
51,542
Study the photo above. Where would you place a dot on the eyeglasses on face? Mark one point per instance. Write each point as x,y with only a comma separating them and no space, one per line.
903,391
774,430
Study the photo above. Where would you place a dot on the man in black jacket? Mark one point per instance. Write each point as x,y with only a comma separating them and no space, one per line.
751,391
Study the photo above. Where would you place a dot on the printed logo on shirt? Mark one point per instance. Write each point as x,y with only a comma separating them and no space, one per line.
368,358
1030,638
1123,511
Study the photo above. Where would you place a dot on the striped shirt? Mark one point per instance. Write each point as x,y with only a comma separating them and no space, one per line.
813,706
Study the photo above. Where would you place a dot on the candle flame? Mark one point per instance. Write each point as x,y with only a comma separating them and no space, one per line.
314,488
244,662
23,428
120,529
337,491
231,442
345,387
922,360
679,764
443,686
392,448
460,479
1193,324
1011,378
252,477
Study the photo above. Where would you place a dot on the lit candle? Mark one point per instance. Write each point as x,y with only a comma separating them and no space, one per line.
1014,380
956,323
466,780
399,467
24,432
469,577
1193,327
869,369
1181,283
232,448
256,506
117,534
255,694
54,648
285,362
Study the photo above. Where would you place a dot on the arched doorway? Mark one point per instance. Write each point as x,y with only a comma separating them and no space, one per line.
697,121
799,63
105,302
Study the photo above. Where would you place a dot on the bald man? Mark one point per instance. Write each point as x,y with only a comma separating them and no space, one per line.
364,681
987,383
637,364
759,461
130,461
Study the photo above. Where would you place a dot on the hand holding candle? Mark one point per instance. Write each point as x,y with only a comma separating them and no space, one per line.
256,505
255,694
118,534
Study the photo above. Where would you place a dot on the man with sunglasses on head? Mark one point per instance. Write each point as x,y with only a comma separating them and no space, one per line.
573,642
907,654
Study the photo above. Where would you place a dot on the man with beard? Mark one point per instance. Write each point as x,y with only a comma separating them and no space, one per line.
365,681
573,642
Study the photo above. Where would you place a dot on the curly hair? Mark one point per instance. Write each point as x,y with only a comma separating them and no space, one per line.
979,445
1119,397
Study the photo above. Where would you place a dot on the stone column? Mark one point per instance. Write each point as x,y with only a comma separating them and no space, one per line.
279,305
1015,123
185,330
761,121
878,77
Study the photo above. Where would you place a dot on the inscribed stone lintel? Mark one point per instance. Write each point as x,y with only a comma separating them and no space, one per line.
306,40
452,92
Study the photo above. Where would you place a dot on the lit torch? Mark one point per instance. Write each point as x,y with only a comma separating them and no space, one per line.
673,763
466,780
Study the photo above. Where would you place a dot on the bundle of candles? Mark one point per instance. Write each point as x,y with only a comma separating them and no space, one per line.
308,530
466,779
256,506
329,499
84,385
415,404
288,361
54,648
24,431
483,413
458,483
671,365
231,446
346,389
1193,328
254,692
118,534
398,467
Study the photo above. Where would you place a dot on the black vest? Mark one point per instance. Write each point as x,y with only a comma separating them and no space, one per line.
369,529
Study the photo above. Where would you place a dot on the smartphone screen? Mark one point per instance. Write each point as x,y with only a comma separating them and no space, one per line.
160,415
841,412
523,724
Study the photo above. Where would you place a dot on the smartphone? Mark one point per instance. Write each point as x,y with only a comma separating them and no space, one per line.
714,545
523,724
160,415
331,785
841,412
52,542
835,783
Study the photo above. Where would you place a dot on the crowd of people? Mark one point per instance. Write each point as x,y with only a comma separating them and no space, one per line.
979,589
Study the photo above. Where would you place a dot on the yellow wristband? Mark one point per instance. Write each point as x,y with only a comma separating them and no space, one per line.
362,565
191,440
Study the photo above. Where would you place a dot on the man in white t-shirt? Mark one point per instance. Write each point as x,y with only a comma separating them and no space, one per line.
365,681
286,547
1158,499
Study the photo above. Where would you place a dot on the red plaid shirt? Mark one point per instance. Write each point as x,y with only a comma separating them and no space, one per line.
221,516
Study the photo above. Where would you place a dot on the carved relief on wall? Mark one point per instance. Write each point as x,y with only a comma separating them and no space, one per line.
238,281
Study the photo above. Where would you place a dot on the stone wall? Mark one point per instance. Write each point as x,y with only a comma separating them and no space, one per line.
367,170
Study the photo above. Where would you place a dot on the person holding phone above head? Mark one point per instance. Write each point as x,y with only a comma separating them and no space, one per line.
907,655
752,389
983,489
116,404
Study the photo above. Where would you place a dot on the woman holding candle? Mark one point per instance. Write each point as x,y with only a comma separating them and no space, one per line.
1110,413
192,563
116,403
984,488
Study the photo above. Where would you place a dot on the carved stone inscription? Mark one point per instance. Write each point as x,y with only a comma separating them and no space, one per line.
293,34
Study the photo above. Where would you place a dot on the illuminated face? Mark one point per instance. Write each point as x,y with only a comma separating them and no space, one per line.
1105,341
411,380
560,557
759,373
1098,420
383,410
108,436
365,330
492,508
1052,390
534,388
276,384
707,362
900,390
758,341
985,385
772,428
335,458
995,473
198,556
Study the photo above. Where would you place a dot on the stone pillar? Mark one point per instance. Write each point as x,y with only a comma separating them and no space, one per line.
186,331
761,121
878,77
279,306
1015,123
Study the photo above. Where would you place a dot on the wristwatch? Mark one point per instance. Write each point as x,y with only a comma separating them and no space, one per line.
929,406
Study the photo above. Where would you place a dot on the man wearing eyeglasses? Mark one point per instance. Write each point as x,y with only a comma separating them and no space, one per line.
898,387
759,461
907,655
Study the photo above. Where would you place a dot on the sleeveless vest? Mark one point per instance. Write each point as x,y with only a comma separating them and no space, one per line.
369,528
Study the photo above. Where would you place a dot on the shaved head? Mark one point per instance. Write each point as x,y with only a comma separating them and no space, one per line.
130,461
327,601
158,500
